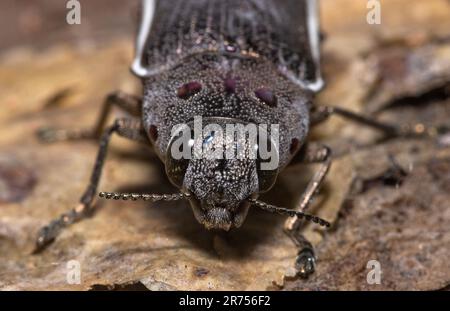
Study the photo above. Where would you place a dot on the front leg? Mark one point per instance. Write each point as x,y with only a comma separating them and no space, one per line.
127,128
305,262
126,102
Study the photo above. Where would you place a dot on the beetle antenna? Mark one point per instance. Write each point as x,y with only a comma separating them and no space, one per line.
145,197
289,212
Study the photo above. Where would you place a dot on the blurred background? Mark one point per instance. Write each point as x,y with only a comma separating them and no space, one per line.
42,23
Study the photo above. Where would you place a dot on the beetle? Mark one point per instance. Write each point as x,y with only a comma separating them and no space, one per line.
229,62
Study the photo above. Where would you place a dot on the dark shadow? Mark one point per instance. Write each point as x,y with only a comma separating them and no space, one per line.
134,286
257,228
436,94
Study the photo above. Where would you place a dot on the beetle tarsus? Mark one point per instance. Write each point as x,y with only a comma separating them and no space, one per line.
418,130
305,263
46,135
48,234
44,238
51,135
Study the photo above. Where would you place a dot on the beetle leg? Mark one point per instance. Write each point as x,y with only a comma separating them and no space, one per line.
305,261
126,102
322,113
127,128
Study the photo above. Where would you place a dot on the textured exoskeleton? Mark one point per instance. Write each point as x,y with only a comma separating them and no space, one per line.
234,61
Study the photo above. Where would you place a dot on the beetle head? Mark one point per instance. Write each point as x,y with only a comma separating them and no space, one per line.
221,168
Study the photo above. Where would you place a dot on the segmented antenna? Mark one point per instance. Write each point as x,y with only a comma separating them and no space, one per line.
145,197
181,196
289,212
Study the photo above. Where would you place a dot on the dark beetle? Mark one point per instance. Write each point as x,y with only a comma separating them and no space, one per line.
228,61
234,61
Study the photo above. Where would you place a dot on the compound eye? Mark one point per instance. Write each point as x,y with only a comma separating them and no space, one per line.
267,179
267,164
295,146
153,133
178,156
